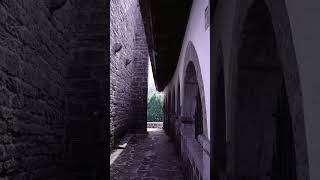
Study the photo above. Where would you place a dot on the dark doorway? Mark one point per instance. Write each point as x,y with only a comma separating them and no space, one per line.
192,99
220,124
198,117
258,134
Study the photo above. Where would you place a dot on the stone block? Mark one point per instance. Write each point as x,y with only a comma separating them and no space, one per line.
10,166
4,97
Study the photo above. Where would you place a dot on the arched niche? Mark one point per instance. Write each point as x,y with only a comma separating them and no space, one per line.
192,106
268,125
193,86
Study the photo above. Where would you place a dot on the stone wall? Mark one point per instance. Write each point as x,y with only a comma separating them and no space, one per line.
34,53
129,69
53,83
87,77
140,82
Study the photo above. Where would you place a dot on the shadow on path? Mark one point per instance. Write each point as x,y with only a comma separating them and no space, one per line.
148,157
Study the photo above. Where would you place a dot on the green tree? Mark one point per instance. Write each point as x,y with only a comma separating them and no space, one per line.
155,112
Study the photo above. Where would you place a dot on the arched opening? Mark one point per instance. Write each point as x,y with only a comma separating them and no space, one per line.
192,106
192,57
198,116
194,130
264,139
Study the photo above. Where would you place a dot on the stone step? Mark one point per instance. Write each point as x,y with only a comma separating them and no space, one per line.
124,141
115,153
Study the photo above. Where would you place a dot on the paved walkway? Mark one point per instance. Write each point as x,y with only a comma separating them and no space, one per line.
148,157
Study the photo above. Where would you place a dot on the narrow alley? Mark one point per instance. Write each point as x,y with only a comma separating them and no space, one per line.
169,90
148,157
173,36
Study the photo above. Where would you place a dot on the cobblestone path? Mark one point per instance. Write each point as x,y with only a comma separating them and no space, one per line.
148,157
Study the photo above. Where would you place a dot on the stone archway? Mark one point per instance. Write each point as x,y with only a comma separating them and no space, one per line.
265,73
192,107
192,57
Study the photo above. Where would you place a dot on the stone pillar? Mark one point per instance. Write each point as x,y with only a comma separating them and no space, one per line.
164,117
173,118
167,121
170,125
177,132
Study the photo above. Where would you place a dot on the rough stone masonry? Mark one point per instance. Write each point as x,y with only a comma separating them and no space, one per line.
34,53
129,69
52,88
53,85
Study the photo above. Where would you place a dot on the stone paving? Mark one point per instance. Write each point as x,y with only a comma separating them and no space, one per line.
148,157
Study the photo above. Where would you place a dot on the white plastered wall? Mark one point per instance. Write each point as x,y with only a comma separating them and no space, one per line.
200,38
